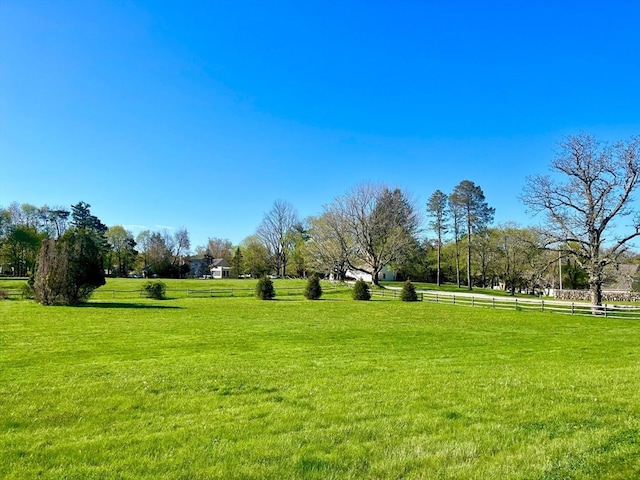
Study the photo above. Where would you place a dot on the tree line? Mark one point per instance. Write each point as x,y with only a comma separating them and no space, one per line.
374,226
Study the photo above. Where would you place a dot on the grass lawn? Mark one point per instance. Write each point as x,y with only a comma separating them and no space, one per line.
240,388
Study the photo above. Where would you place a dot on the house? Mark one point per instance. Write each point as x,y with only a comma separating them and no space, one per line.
386,274
218,268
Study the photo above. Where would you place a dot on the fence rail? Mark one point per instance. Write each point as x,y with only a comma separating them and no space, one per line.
448,298
542,305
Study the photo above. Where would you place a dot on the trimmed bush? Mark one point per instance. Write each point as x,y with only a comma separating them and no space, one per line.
408,293
264,289
3,294
155,289
361,290
313,290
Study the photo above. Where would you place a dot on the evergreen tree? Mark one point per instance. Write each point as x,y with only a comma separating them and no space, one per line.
236,263
408,293
361,290
313,290
264,289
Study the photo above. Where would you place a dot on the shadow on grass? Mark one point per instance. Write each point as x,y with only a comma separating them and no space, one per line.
126,305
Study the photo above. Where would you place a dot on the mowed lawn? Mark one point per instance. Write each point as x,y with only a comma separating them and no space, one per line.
191,388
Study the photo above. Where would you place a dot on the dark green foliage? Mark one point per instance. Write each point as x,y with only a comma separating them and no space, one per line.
68,269
313,290
27,290
166,269
361,290
19,249
264,289
236,263
155,289
408,293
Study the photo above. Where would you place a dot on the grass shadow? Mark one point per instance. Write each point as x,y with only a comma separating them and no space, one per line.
126,305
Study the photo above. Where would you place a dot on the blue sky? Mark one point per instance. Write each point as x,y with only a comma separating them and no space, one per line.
166,114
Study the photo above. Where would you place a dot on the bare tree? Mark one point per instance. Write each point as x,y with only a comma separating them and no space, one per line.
378,225
274,232
220,248
327,245
580,210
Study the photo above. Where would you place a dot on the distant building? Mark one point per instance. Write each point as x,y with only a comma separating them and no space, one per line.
219,268
385,275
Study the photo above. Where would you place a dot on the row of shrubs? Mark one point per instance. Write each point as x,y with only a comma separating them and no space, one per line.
264,290
312,291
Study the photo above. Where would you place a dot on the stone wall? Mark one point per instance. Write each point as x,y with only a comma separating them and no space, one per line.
606,296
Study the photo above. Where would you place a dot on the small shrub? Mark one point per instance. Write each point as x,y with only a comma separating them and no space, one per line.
408,292
361,290
27,290
155,289
264,289
313,290
3,294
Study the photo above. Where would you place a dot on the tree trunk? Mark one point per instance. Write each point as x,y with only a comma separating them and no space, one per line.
458,264
438,271
596,295
469,253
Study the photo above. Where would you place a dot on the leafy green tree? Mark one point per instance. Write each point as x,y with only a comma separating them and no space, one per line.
361,290
264,289
122,246
298,255
313,289
417,262
573,275
20,249
255,260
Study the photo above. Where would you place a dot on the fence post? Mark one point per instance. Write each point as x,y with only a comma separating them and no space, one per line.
516,303
493,302
572,305
542,304
454,299
473,301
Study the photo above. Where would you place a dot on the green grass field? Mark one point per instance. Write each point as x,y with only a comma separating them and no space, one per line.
234,387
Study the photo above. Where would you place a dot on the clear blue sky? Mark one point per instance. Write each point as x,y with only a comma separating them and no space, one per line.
201,114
